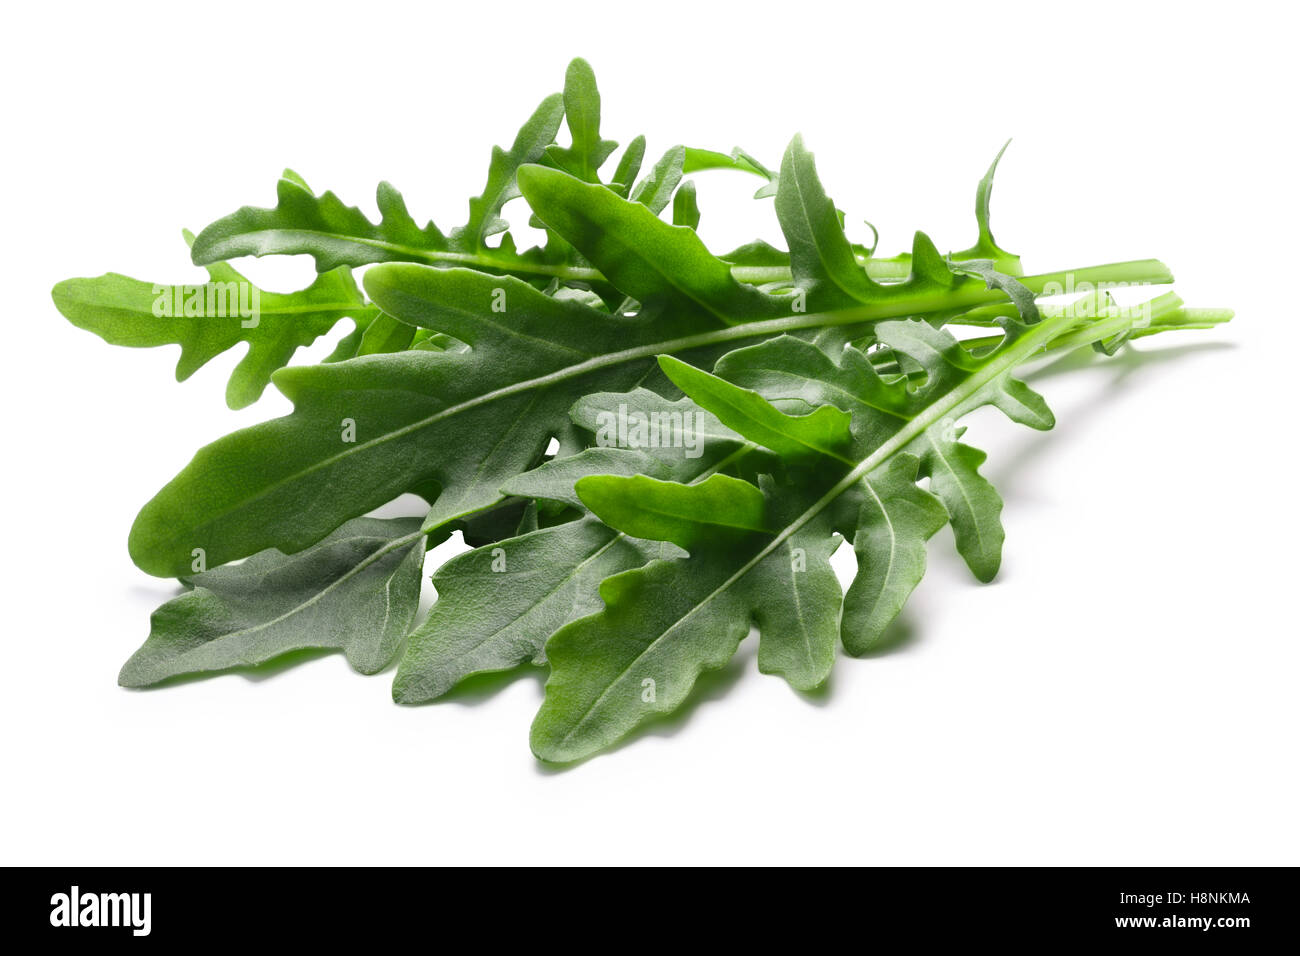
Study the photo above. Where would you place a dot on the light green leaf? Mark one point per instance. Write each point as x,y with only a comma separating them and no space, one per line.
386,334
529,146
822,260
206,319
824,431
686,206
656,189
986,247
698,160
335,234
820,256
629,166
587,151
644,257
716,509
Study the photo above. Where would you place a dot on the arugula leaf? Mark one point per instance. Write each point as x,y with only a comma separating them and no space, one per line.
974,505
657,188
367,430
632,515
356,590
644,258
821,258
493,618
207,319
499,603
386,334
986,247
629,165
686,206
704,604
698,160
485,210
334,234
824,431
364,431
587,152
895,519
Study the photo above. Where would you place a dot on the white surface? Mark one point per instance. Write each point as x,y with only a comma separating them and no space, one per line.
1124,693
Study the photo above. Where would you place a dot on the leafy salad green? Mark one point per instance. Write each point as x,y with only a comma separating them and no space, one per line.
650,448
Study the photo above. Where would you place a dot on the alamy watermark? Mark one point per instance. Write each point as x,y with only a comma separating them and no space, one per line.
76,908
1095,299
210,300
634,428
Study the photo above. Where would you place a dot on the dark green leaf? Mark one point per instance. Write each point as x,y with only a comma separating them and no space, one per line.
356,590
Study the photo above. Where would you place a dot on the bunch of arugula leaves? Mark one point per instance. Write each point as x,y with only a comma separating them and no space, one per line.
780,403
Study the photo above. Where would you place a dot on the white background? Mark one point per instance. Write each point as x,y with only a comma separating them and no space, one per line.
1124,693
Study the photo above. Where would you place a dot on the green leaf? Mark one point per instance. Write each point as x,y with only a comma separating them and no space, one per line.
386,334
640,419
364,431
367,430
587,151
824,431
207,319
665,624
357,590
895,519
717,509
335,234
799,376
554,480
639,657
657,188
795,611
986,247
529,146
686,206
698,160
820,256
644,257
322,227
973,504
629,166
498,603
823,262
671,620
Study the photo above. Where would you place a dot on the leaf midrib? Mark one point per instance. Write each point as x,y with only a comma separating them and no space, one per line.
747,330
